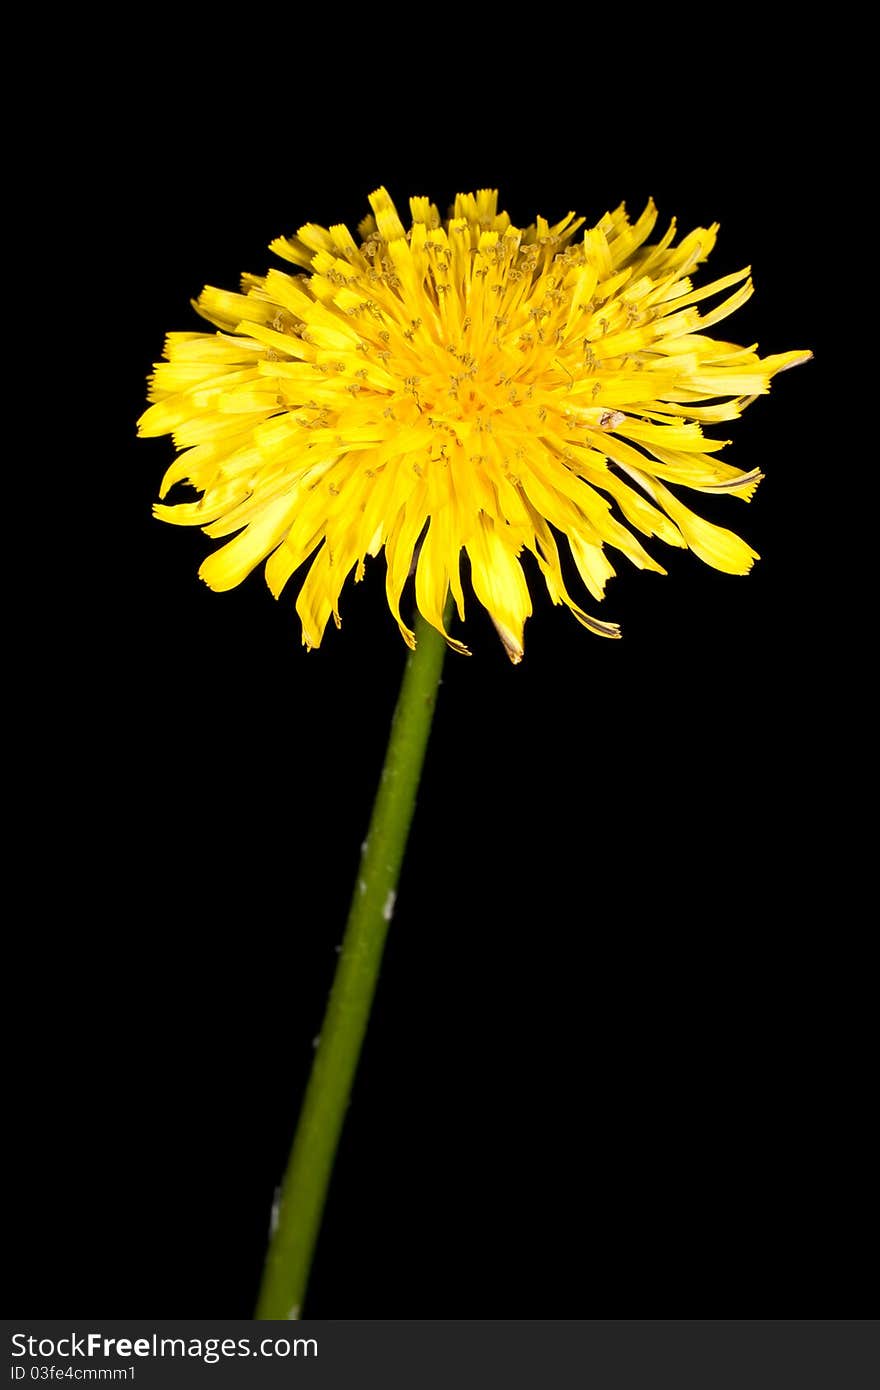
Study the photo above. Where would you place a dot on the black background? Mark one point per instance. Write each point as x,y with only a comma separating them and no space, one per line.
617,1056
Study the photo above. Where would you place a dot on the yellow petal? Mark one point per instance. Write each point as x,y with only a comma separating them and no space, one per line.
500,585
718,547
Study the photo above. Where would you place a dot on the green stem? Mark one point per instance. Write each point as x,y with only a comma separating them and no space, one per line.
304,1189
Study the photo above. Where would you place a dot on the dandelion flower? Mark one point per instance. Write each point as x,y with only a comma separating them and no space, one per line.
464,385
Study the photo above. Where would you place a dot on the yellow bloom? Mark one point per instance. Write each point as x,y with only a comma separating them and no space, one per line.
464,385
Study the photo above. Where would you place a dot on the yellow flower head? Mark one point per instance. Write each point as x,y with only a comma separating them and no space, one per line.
464,385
